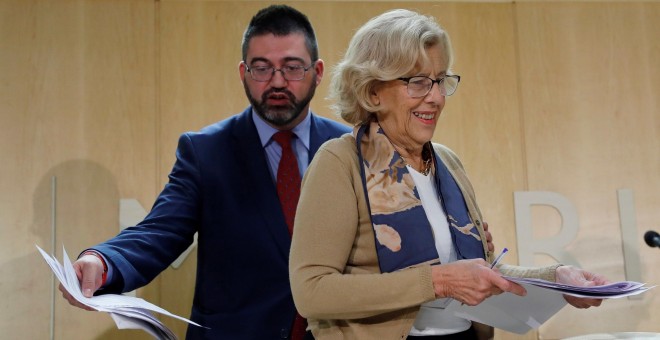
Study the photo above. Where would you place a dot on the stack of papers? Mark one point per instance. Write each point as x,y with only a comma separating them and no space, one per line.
520,314
610,291
128,312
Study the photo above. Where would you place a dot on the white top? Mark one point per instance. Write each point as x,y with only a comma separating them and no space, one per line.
432,318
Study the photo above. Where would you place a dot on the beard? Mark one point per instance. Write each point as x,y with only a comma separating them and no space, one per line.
280,115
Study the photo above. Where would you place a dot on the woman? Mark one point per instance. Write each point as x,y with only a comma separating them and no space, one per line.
387,229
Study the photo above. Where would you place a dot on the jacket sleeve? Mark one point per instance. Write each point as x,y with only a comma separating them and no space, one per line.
139,253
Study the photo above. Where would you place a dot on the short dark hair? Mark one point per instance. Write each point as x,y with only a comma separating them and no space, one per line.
281,20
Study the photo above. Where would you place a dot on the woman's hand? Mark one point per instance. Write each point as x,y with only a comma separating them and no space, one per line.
470,281
579,277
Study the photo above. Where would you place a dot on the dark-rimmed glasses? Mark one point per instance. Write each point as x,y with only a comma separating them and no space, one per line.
289,72
420,86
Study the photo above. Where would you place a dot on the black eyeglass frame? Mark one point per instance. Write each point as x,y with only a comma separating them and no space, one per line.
438,81
284,74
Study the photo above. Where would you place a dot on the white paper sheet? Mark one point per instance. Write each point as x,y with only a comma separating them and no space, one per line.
520,314
128,312
513,313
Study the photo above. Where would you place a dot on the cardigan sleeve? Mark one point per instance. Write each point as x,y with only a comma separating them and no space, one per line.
333,263
545,273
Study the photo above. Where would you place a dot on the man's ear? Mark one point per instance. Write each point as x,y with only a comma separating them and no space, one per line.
242,69
319,67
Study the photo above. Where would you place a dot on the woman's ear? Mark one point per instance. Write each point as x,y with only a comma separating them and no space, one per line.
374,97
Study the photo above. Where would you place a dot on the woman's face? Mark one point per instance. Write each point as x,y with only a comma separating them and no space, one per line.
410,122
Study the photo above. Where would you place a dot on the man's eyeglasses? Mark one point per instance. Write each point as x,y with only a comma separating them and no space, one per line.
289,72
420,86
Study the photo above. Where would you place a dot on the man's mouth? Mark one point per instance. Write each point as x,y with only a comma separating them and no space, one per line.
278,99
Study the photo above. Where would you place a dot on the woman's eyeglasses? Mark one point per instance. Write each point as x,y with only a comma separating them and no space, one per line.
420,86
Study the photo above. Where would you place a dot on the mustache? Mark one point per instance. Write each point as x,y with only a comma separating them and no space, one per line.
278,92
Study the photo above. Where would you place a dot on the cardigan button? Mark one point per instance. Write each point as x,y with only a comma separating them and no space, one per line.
477,222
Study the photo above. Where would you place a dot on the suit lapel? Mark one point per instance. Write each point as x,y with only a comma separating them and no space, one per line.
252,161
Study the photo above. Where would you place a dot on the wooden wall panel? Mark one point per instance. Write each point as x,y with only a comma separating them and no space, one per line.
589,81
76,103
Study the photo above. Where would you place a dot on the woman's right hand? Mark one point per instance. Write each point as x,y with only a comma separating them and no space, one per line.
470,281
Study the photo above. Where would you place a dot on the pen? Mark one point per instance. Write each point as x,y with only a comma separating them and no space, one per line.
498,258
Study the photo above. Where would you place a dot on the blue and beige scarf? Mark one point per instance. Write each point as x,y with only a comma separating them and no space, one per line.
404,236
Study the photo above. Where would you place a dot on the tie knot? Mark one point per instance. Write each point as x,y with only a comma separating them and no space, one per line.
283,138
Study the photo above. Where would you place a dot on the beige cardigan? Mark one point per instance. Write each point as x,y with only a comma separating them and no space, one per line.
335,277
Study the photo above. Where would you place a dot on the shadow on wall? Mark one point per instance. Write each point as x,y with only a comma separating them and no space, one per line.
86,198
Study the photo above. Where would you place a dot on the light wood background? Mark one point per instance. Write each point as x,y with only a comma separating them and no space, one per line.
555,96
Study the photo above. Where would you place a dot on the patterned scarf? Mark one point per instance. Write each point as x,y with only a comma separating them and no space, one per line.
404,236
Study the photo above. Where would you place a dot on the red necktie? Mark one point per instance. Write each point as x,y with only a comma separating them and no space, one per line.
288,190
288,178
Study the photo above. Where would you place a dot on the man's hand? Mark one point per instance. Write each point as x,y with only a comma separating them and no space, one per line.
489,238
89,270
579,277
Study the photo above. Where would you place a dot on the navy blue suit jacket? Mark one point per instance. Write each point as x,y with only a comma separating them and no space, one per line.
221,187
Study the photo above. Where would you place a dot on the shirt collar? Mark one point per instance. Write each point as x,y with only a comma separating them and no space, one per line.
266,131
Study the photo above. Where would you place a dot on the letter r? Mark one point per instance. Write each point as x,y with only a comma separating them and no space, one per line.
553,246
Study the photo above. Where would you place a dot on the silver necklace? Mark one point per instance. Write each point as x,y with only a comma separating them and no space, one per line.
427,165
425,152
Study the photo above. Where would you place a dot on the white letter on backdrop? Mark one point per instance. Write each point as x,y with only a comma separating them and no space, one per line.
553,246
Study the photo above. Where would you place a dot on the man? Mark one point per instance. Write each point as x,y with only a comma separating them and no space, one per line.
224,185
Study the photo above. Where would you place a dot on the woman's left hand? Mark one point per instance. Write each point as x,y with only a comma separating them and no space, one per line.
580,277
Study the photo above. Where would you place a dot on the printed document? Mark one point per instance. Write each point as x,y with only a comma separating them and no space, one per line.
128,312
520,314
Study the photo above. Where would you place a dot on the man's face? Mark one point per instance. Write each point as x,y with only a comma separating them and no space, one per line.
280,102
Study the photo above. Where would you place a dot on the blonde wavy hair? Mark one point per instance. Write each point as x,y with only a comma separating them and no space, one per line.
387,47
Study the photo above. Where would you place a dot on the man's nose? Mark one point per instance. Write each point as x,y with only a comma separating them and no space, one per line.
278,79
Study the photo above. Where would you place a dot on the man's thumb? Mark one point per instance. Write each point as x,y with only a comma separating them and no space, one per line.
88,287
